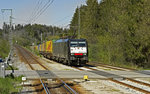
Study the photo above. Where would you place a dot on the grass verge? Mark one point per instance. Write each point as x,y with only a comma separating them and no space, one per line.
10,84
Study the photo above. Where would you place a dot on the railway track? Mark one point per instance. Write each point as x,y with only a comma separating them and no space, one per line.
138,86
135,85
39,85
52,88
97,67
128,82
29,59
45,87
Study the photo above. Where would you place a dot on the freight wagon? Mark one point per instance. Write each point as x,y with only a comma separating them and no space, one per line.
48,49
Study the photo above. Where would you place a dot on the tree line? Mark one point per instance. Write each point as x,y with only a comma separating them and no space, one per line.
30,34
27,34
118,31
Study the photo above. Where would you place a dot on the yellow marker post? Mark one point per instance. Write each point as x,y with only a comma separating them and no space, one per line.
85,77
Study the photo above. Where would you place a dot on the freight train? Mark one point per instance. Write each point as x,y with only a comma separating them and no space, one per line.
67,51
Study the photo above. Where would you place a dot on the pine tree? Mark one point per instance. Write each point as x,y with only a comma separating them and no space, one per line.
91,21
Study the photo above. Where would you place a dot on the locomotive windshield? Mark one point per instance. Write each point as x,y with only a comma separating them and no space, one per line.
74,44
77,44
82,44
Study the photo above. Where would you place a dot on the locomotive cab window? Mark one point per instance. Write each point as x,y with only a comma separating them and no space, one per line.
74,44
82,44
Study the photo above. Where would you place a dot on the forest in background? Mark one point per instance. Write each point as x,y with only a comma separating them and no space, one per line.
29,34
118,31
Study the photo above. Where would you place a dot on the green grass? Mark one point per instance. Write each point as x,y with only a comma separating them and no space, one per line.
9,84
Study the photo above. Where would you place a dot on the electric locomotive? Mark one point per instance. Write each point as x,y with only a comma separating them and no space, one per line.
71,51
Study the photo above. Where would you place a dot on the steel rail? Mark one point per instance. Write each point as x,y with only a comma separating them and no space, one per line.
25,58
130,86
45,88
68,88
35,59
139,82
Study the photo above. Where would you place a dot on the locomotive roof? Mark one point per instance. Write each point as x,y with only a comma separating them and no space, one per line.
65,40
62,40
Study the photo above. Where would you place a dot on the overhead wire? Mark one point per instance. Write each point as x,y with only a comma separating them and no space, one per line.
39,13
43,11
44,8
36,9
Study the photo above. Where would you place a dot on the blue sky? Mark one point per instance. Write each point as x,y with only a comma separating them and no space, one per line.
59,13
